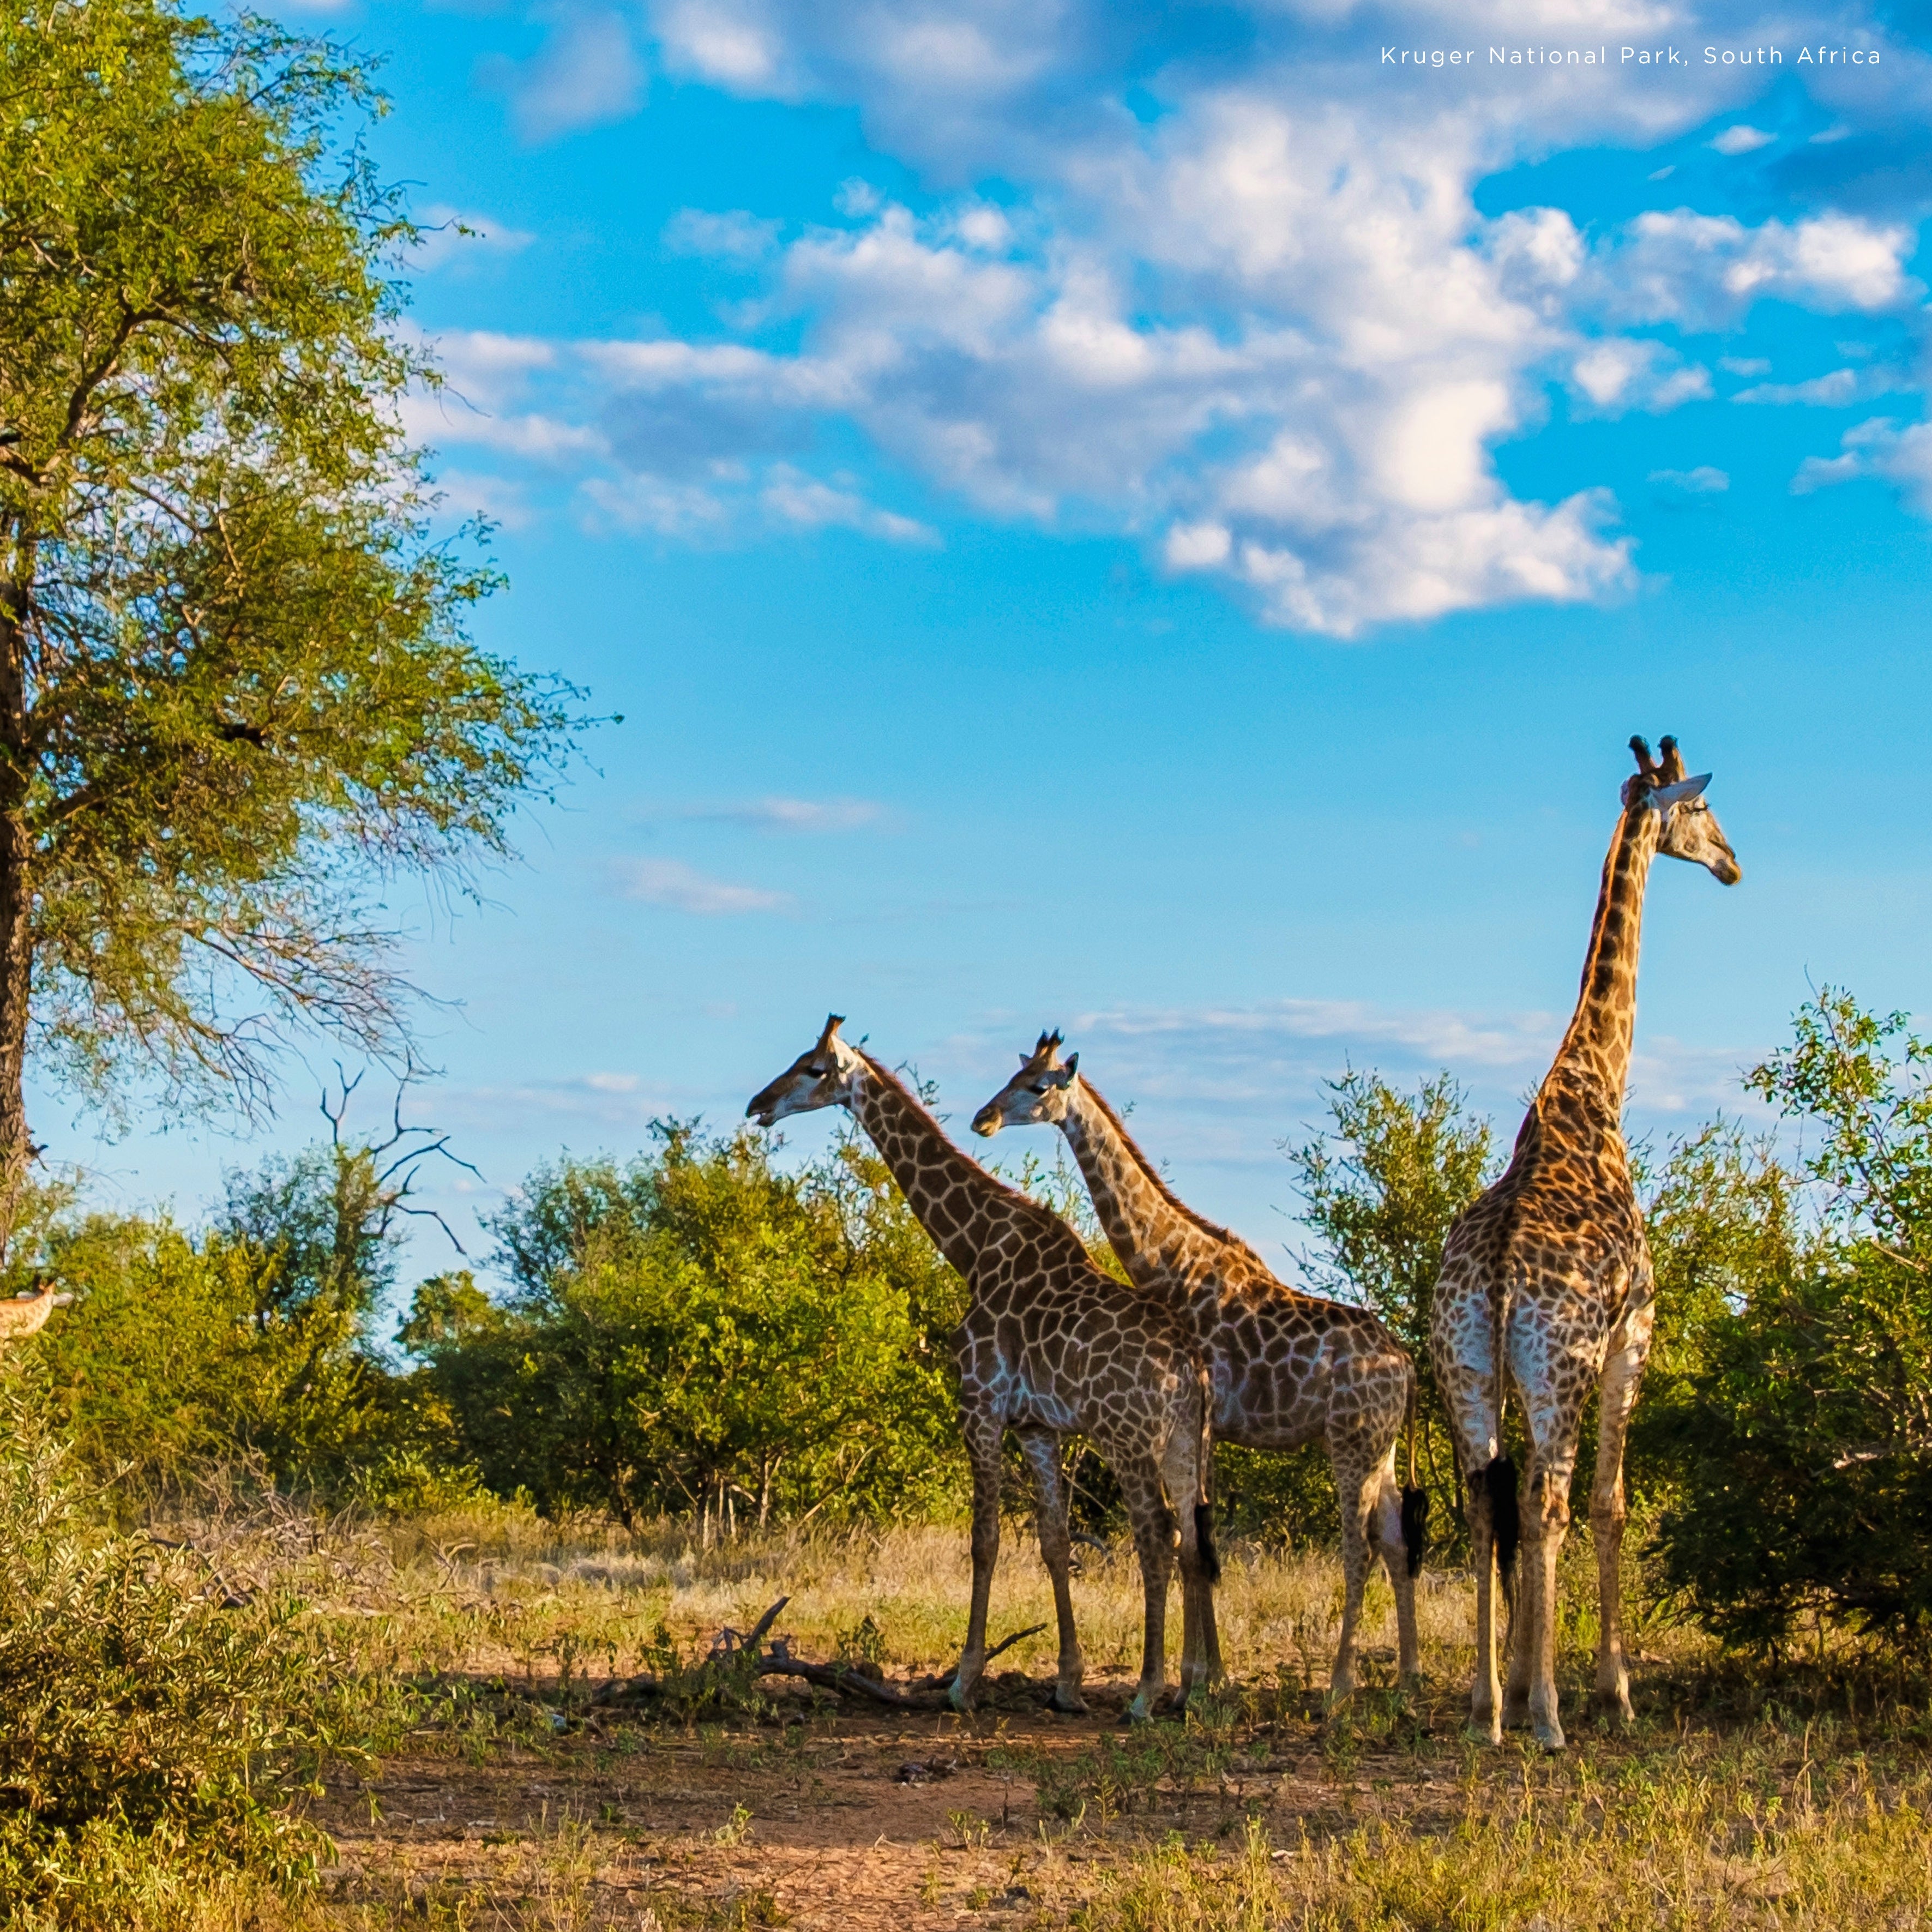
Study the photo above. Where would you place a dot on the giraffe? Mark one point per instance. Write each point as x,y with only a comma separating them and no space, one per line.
1549,1271
24,1314
1285,1367
1051,1345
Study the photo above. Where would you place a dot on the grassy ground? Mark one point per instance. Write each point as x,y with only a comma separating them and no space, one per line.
505,1795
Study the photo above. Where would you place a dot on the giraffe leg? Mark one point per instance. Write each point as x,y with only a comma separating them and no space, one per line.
983,1449
1545,1521
1622,1373
1486,1694
1385,1531
1056,1550
1153,1528
1200,1645
1351,1487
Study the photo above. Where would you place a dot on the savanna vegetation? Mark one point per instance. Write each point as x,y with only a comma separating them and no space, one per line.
276,1519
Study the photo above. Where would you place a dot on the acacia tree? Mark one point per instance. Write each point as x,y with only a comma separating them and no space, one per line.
236,694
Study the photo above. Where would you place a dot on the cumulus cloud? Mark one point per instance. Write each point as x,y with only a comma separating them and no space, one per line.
1898,454
1624,374
1704,271
670,882
1266,331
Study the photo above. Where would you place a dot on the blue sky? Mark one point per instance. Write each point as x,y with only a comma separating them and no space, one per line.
1159,521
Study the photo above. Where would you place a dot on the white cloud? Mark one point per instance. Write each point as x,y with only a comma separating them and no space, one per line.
1835,390
793,498
499,499
611,1083
460,234
586,73
1267,332
793,815
1744,365
1622,373
1704,480
1881,448
1704,271
670,882
1741,139
735,236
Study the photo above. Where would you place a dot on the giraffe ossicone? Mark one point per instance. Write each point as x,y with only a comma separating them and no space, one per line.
1546,1284
1051,1345
1283,1367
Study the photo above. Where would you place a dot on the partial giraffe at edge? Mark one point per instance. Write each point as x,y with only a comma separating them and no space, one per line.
1546,1283
24,1314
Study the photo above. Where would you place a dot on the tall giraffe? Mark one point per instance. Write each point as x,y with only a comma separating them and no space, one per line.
1285,1367
1549,1273
1051,1345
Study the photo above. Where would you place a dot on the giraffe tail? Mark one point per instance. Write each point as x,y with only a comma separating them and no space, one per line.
1203,1498
1414,1497
1499,1478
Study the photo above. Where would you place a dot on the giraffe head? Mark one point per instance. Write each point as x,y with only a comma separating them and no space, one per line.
822,1077
1036,1096
1690,830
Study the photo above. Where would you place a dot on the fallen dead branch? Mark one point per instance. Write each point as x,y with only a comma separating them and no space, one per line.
747,1652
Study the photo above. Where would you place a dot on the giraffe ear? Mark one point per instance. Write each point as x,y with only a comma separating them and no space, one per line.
1664,796
1073,1065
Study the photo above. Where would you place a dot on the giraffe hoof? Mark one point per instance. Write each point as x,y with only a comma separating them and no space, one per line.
1068,1703
1478,1732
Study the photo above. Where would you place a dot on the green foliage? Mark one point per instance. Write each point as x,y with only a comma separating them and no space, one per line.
149,1739
1798,1426
1276,1496
249,1343
1382,1186
241,692
699,1334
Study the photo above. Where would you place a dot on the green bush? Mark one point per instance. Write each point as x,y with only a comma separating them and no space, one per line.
150,1740
699,1334
1793,1420
180,1351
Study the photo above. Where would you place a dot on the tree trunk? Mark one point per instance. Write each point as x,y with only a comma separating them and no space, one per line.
17,903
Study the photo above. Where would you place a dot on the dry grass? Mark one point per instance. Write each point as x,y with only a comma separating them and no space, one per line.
509,1801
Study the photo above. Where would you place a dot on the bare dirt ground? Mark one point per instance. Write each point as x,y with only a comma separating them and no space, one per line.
510,1793
850,1821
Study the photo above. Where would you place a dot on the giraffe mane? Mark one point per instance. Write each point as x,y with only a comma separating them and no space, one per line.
1212,1229
1049,1221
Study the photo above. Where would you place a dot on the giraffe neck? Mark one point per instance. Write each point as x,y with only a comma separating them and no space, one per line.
1155,1237
957,1202
1598,1041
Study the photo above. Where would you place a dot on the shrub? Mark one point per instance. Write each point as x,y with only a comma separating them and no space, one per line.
698,1333
1796,1429
150,1740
